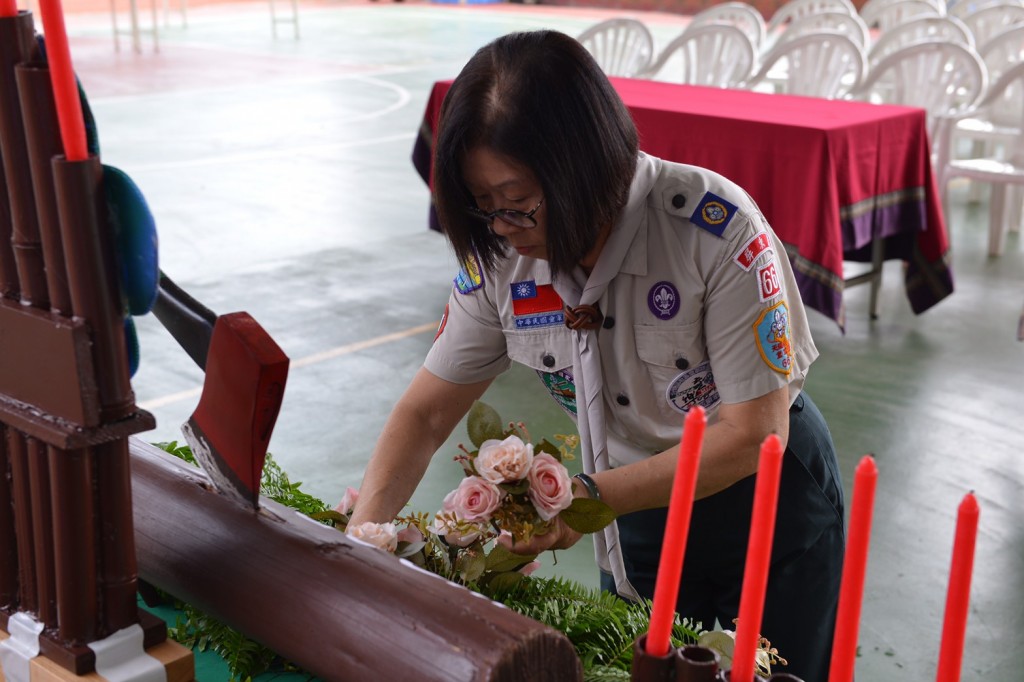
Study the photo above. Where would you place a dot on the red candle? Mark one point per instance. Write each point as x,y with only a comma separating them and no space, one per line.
759,554
677,527
959,592
8,8
851,592
65,90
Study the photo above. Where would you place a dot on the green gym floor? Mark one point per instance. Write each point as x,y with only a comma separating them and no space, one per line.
279,173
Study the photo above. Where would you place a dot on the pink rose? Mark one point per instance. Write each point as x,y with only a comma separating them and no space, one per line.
530,567
474,500
455,538
348,501
410,534
380,535
501,461
550,486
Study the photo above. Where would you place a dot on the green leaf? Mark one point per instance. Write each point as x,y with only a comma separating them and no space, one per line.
330,515
516,487
483,423
471,565
548,447
407,549
501,560
585,515
505,581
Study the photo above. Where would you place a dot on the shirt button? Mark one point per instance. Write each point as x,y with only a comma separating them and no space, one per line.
679,201
609,322
682,363
548,360
622,399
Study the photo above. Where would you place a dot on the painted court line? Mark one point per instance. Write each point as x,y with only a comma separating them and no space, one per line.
303,362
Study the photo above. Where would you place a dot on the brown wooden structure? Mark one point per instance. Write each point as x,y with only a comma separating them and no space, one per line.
67,554
68,538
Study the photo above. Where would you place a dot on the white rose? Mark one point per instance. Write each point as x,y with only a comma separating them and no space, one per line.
380,535
503,461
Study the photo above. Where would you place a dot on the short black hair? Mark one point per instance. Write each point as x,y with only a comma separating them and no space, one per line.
540,99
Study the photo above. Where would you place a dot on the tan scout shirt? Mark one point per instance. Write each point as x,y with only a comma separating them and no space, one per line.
704,310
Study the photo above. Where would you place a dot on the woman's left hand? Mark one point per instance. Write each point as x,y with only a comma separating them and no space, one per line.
559,537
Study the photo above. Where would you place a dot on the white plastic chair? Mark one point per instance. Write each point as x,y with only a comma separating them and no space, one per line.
1005,95
794,9
717,55
993,19
945,79
999,127
962,8
918,30
621,46
887,14
824,64
739,14
850,24
1002,51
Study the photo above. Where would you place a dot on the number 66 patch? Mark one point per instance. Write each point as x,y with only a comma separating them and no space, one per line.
768,282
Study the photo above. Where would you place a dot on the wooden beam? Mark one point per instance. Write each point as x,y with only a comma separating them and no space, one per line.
340,609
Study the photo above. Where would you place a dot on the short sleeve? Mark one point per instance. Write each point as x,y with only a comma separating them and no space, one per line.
470,345
747,315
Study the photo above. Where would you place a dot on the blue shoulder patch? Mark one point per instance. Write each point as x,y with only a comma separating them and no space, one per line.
713,213
470,277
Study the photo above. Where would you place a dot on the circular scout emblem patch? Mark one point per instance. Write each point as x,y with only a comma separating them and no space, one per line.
663,300
714,213
694,387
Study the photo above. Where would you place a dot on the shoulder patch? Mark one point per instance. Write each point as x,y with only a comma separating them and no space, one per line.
774,339
470,277
443,323
758,244
713,213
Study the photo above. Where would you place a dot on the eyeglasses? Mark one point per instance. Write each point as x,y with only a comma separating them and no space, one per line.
509,215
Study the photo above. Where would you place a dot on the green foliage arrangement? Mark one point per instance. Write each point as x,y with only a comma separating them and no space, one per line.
601,627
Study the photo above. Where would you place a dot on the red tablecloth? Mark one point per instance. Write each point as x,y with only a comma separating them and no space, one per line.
830,176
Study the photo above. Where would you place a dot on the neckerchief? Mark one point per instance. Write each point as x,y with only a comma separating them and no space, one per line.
578,290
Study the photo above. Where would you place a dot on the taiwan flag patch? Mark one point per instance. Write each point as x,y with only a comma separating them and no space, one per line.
536,306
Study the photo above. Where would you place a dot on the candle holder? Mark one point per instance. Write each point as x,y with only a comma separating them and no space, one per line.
650,668
697,664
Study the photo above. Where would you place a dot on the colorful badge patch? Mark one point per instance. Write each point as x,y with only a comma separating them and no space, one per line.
663,300
536,306
444,321
470,277
768,286
773,338
713,213
695,386
760,243
561,387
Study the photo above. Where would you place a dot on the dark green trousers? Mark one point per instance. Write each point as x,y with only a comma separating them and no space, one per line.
807,552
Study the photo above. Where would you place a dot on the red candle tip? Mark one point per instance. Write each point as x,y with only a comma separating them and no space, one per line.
970,503
867,466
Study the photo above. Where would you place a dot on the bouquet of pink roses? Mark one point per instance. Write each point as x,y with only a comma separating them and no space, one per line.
512,486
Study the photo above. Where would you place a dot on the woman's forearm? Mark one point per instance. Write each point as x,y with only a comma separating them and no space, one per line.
420,423
729,454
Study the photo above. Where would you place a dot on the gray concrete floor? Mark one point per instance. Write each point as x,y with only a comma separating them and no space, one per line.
279,173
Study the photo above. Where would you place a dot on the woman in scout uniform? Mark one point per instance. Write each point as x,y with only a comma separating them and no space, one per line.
636,288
